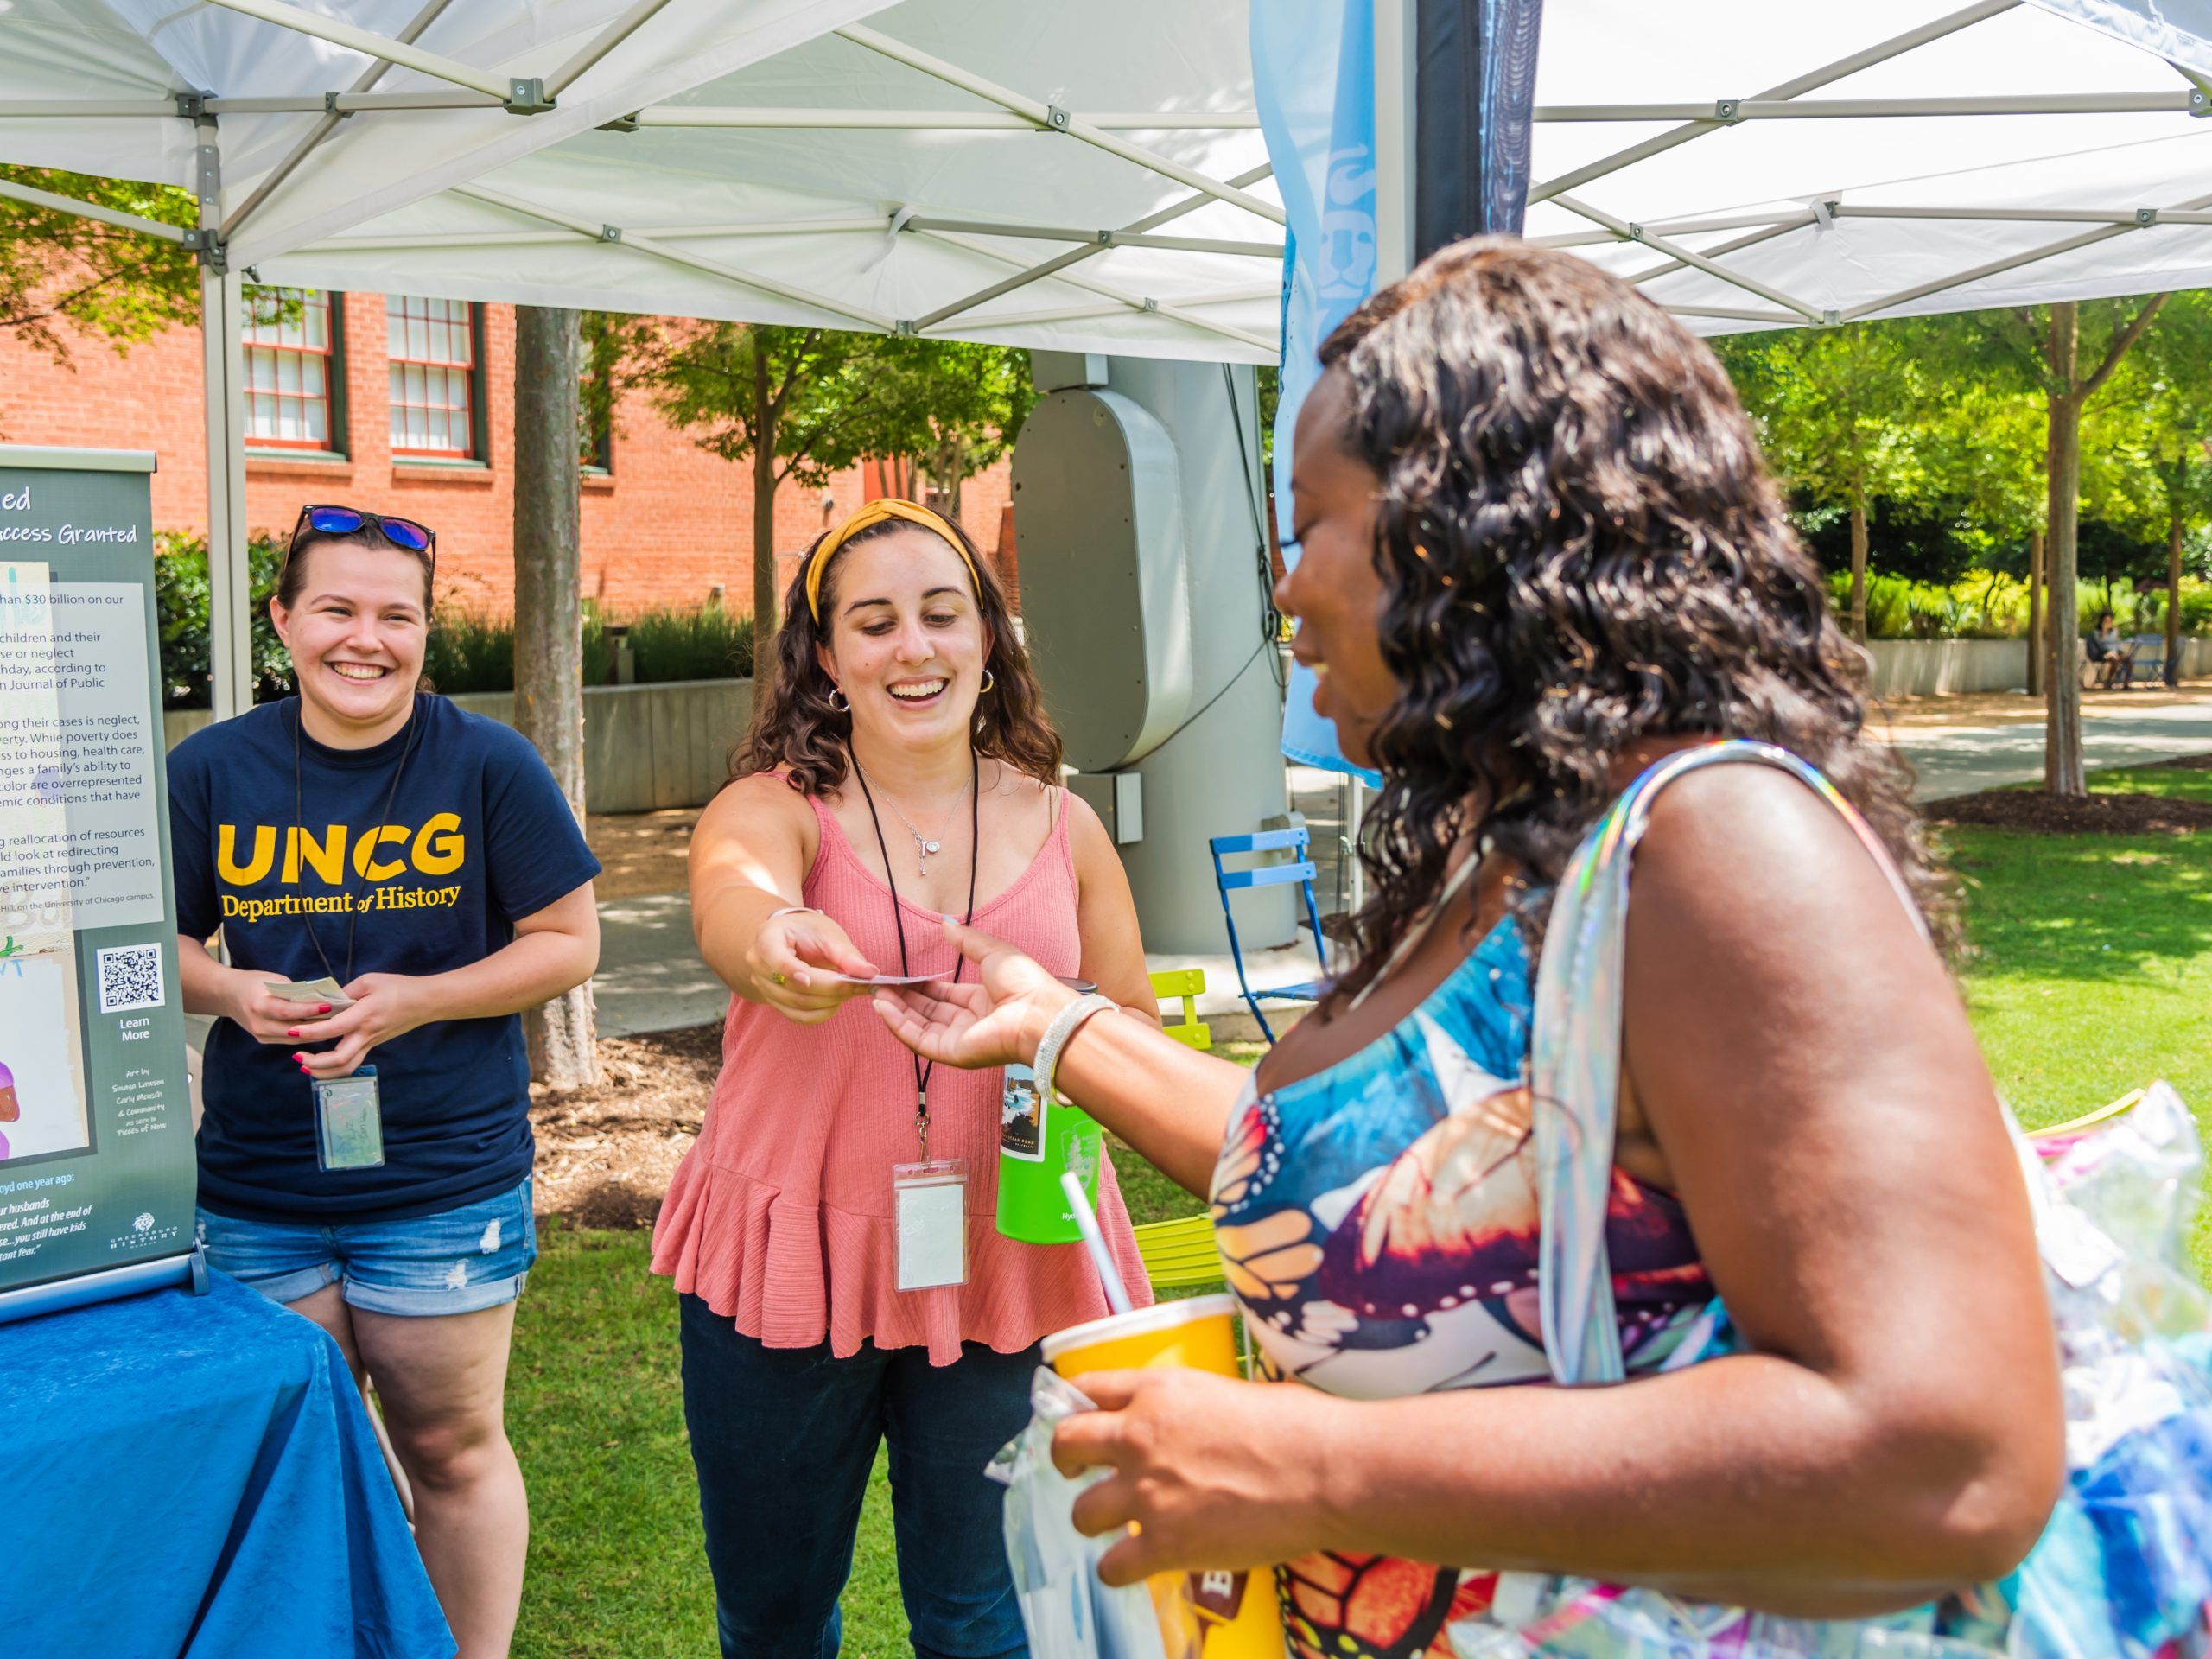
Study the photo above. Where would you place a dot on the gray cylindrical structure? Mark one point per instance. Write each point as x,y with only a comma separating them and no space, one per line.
1217,769
1221,772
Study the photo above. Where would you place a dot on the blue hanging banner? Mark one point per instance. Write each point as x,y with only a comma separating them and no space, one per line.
1313,74
1313,79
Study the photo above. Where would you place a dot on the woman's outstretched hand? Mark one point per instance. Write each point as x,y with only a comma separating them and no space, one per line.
797,962
970,1025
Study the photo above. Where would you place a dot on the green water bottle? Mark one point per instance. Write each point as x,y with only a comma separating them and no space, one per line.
1038,1139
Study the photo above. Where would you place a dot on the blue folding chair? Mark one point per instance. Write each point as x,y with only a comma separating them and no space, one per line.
1300,870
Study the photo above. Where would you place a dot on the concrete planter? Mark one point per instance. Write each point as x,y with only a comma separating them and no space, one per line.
1942,668
645,747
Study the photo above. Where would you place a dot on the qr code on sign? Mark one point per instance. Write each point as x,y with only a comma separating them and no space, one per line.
131,977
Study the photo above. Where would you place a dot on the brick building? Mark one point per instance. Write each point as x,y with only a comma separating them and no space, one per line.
406,404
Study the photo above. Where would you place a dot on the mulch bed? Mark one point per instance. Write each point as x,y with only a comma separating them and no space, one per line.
605,1154
642,852
2036,813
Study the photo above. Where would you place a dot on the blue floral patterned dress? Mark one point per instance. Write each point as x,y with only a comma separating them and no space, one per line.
1378,1221
1381,1223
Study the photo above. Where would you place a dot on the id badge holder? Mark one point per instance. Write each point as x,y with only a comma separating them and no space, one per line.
348,1122
929,1208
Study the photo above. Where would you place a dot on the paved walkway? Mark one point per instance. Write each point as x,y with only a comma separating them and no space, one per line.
1961,761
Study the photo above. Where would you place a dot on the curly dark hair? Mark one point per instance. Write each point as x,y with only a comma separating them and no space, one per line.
796,729
1581,548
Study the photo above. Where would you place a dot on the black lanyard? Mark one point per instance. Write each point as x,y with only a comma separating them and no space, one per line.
299,828
975,799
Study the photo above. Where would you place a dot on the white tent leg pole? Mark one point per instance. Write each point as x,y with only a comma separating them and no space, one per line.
1355,820
1396,31
222,295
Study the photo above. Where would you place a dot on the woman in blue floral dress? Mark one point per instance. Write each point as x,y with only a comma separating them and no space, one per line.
1540,553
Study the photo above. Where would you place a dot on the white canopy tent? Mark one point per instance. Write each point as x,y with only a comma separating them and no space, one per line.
865,166
1076,177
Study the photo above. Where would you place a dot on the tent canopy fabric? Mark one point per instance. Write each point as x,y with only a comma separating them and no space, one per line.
2013,156
879,226
912,166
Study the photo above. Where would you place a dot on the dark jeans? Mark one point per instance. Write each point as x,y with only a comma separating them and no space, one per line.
784,1438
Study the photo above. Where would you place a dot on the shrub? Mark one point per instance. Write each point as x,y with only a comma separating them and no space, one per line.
472,651
180,611
469,651
707,643
1979,605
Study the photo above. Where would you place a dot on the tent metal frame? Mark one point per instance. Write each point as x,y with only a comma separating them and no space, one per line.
796,119
465,87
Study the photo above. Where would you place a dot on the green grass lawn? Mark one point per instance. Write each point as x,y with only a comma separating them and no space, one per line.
2093,974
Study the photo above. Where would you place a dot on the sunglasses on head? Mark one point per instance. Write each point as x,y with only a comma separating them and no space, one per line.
344,521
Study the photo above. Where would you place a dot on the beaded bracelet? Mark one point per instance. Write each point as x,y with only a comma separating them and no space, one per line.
1064,1025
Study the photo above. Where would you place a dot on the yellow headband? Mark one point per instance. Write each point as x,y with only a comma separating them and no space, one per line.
876,513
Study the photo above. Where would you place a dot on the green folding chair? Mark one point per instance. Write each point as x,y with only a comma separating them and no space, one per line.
1189,984
1179,1253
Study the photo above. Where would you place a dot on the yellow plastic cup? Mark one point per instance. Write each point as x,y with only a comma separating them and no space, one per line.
1200,1333
1202,1615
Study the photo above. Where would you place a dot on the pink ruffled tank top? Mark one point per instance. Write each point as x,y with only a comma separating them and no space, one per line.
779,1216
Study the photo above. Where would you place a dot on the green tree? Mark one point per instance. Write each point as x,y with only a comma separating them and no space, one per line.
800,404
2063,356
1837,408
55,267
2167,396
960,406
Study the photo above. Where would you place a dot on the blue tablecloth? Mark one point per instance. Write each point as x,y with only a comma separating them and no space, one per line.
195,1476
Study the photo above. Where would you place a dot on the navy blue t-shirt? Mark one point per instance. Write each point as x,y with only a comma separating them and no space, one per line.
477,836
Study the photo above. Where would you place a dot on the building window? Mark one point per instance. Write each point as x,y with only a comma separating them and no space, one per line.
437,394
291,368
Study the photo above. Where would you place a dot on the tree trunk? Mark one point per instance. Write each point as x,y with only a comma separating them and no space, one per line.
1858,569
2062,770
2035,649
549,626
764,519
2174,527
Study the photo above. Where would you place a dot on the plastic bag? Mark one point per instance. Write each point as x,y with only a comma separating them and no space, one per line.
1068,1613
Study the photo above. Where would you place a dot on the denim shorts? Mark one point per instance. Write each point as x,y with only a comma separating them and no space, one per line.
456,1262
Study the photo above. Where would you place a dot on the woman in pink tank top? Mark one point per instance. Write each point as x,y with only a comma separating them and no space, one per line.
899,770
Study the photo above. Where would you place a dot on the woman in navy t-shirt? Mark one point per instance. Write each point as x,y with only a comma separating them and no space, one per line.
365,1157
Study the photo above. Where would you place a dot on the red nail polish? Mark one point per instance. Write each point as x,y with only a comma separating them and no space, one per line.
291,1033
323,1009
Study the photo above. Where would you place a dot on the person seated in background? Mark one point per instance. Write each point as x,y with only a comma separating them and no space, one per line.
2113,657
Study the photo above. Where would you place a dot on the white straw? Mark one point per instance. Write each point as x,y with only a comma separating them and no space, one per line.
1117,1297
